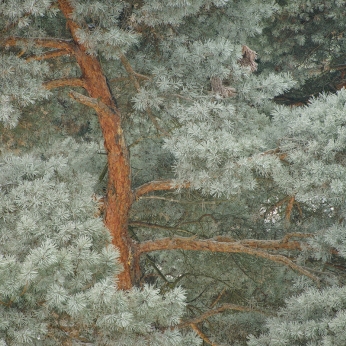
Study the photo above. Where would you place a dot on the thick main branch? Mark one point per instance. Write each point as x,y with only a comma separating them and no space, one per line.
228,247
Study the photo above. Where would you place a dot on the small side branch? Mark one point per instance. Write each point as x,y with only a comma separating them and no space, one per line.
155,122
284,245
49,55
282,156
218,310
289,209
130,71
158,185
202,335
152,225
96,104
219,296
65,45
288,236
226,247
63,82
133,76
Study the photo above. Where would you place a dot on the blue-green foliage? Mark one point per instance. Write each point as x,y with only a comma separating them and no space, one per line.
316,317
307,39
57,264
314,139
315,144
17,93
190,102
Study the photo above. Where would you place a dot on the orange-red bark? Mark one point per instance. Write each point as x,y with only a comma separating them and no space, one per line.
119,194
159,185
63,82
250,247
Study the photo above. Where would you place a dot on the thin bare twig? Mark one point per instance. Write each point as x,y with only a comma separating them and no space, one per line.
152,225
202,335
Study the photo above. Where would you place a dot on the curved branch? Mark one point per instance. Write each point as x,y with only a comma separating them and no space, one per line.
42,42
63,82
158,185
251,248
218,310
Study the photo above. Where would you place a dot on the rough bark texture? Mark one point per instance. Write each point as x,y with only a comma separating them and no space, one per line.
119,194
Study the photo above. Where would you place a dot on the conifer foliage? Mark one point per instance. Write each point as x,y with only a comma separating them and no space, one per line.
58,265
189,206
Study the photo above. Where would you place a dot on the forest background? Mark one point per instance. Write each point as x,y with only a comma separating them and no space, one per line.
172,172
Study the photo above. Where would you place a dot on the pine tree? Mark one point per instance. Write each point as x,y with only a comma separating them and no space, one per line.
245,218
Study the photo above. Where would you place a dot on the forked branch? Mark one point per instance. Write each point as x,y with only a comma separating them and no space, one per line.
131,72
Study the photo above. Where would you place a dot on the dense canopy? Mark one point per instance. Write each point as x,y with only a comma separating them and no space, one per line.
172,172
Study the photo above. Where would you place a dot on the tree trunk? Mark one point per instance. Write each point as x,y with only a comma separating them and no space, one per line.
119,193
